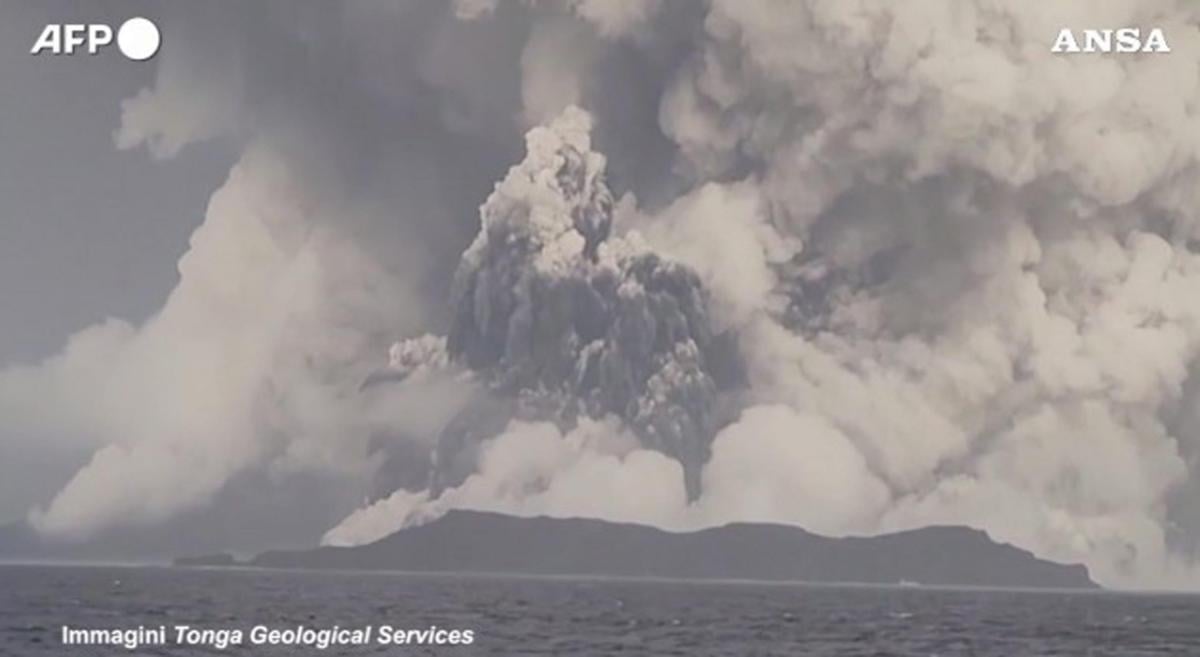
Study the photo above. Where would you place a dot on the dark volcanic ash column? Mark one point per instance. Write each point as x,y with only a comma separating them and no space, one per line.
560,319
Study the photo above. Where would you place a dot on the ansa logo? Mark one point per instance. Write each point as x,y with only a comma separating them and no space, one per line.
1121,40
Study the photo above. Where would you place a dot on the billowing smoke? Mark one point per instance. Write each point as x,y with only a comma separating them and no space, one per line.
553,311
327,242
255,356
957,267
555,320
855,266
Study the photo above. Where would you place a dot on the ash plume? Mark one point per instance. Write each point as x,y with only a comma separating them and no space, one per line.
853,266
552,310
556,319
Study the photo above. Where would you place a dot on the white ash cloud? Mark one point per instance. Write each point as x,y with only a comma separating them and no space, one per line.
957,272
987,251
533,468
319,251
772,465
248,359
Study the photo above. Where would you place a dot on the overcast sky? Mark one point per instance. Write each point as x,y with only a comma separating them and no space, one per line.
87,231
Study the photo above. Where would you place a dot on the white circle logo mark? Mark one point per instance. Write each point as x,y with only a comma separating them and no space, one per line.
138,38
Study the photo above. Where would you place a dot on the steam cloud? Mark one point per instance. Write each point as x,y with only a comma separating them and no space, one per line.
903,266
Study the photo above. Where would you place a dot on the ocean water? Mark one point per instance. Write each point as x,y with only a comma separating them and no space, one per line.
542,616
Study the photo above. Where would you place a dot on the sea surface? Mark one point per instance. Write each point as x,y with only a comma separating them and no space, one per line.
561,616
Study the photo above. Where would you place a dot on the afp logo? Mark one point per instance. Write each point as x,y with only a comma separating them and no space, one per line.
137,38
